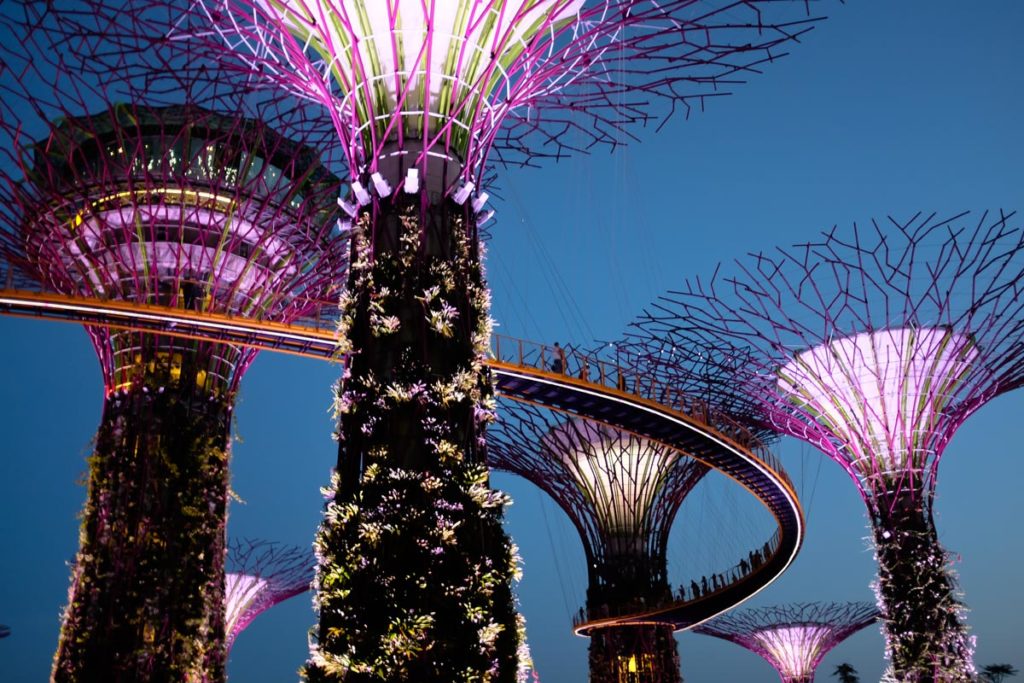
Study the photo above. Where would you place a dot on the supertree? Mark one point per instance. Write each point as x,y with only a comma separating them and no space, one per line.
260,575
621,492
155,208
414,567
4,631
874,345
792,638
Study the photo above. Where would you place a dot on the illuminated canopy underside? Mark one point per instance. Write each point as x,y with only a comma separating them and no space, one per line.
880,394
620,474
795,651
439,70
245,597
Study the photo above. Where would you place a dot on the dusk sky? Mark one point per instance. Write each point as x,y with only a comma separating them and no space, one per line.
889,107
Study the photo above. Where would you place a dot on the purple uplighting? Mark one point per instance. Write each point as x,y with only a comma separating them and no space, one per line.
881,394
260,575
792,638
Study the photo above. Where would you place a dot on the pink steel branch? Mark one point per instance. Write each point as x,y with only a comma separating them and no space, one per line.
583,73
792,638
874,344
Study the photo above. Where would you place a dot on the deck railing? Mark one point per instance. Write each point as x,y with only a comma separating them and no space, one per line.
571,363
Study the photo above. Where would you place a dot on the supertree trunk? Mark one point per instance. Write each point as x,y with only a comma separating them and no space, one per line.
414,567
925,634
147,593
634,654
631,654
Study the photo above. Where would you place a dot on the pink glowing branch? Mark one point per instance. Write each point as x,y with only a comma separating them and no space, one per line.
260,575
873,345
442,87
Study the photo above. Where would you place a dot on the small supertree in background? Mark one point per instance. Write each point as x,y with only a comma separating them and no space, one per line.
792,638
167,207
259,575
622,493
415,570
874,345
4,631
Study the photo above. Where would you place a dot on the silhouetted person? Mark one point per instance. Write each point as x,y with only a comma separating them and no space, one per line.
694,588
558,365
704,585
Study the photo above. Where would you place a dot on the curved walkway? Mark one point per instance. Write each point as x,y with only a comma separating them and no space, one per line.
555,378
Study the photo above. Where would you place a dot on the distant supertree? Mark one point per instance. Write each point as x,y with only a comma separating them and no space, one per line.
792,638
260,575
873,345
622,494
140,206
424,95
4,631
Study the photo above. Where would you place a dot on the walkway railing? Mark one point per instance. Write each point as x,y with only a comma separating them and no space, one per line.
571,363
322,319
718,583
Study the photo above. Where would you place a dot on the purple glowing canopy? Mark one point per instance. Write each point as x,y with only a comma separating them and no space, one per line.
873,345
260,575
792,638
881,394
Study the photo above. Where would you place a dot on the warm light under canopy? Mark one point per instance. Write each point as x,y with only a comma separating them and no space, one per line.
881,394
619,473
449,69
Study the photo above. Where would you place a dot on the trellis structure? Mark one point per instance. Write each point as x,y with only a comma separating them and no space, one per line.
423,96
622,493
874,345
178,207
260,575
792,638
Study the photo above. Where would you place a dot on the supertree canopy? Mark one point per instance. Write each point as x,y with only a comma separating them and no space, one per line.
622,493
156,208
413,581
259,576
873,345
792,638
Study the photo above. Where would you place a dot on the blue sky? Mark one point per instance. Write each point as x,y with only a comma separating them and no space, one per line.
891,107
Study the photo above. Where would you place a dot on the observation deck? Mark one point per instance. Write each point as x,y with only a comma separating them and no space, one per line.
560,379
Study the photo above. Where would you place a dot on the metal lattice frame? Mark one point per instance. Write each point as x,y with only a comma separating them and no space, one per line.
620,491
489,81
874,345
261,574
201,208
792,638
174,205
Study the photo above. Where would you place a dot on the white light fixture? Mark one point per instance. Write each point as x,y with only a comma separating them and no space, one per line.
362,196
382,186
412,181
462,194
348,207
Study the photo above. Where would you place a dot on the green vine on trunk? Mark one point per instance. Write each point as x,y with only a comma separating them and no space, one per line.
146,601
926,639
415,570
